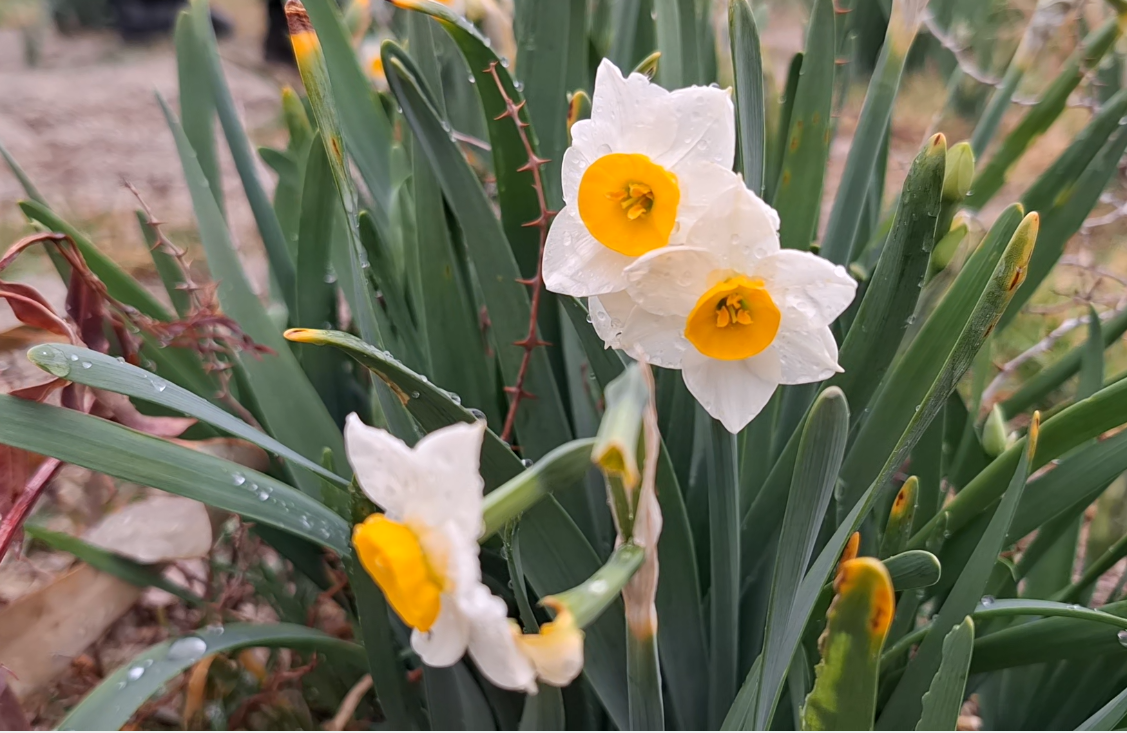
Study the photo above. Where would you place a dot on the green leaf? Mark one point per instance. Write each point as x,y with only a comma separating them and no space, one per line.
900,517
1053,376
364,124
128,570
274,240
119,284
1048,108
891,295
113,702
819,459
910,378
904,707
457,702
1109,716
197,101
742,713
515,189
541,424
544,710
747,66
320,223
101,371
845,687
840,242
643,683
99,445
913,569
1066,218
543,33
986,311
1059,178
1064,431
943,701
291,409
779,132
28,187
798,194
676,22
625,52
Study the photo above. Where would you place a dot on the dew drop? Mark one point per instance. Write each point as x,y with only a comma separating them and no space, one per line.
190,648
86,365
472,80
987,601
134,673
1122,637
414,395
518,85
74,357
239,479
455,399
526,462
478,414
597,586
505,62
263,495
603,149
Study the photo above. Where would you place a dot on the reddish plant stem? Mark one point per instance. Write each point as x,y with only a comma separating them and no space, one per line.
536,282
33,489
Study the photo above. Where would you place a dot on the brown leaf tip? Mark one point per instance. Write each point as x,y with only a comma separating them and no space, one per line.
297,18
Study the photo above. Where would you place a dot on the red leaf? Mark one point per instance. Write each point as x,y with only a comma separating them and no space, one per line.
32,309
119,408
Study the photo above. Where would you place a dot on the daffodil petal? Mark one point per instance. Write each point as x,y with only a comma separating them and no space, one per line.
492,646
806,356
660,338
627,108
733,392
608,315
669,281
704,121
576,264
738,226
453,493
810,290
447,640
385,467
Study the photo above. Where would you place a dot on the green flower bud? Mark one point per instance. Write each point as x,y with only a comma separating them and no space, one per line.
959,174
994,438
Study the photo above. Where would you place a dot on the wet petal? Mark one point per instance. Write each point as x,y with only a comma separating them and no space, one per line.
737,225
704,125
447,640
386,469
576,264
733,392
809,290
670,281
492,645
806,356
453,493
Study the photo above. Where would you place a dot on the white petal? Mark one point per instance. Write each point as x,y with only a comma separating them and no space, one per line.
608,315
492,645
704,124
703,184
806,356
576,160
453,492
632,112
669,281
738,226
661,339
385,467
809,290
733,392
446,641
575,263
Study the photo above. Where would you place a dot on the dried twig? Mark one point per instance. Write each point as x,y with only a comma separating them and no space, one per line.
990,394
536,282
350,703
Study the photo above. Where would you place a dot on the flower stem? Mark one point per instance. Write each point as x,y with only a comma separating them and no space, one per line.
723,514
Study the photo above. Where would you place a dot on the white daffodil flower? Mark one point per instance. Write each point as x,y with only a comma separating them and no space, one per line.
637,175
737,315
423,553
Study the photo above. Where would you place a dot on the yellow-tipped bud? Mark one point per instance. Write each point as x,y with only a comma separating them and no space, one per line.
994,440
959,174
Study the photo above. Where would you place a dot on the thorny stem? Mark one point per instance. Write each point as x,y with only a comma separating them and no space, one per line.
536,282
202,300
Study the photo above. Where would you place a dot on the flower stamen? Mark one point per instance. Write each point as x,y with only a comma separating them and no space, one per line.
735,319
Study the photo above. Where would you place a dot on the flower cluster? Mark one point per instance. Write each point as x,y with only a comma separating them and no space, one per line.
680,261
422,551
